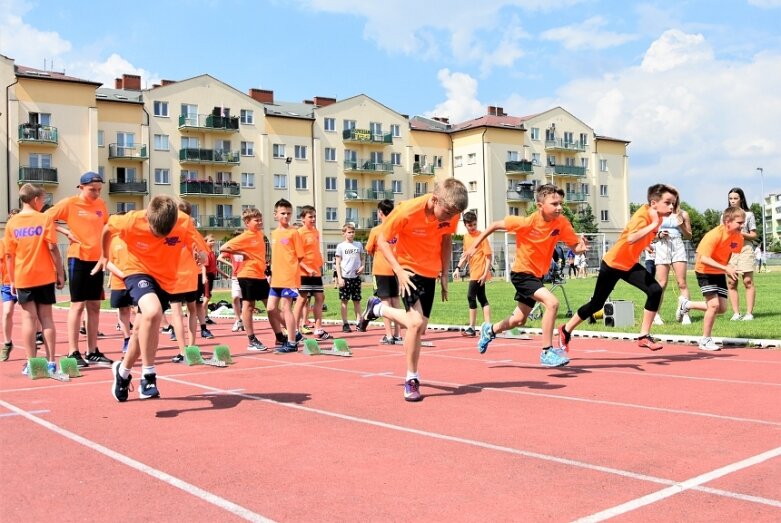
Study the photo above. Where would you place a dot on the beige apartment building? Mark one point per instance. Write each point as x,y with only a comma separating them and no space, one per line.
224,150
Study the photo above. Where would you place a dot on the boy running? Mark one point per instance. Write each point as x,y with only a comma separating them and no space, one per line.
479,273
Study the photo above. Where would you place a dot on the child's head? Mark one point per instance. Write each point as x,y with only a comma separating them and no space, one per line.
733,218
737,198
348,231
185,207
162,213
283,210
308,216
385,207
450,199
209,239
663,198
549,200
32,195
470,221
252,218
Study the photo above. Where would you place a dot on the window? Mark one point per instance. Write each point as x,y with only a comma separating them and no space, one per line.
126,174
125,143
378,185
102,171
195,214
329,125
438,162
603,215
395,130
351,184
471,158
535,133
512,156
224,210
280,181
301,182
472,186
189,142
421,188
162,177
40,160
395,158
350,156
330,183
349,124
188,175
331,214
160,109
584,163
376,129
603,165
248,148
101,139
223,146
396,186
161,142
278,150
248,180
189,113
568,137
247,117
330,154
603,190
126,206
376,157
458,161
583,139
351,215
514,211
584,188
41,118
535,158
300,152
569,162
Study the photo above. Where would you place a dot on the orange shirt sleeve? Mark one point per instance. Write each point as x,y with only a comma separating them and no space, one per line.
623,255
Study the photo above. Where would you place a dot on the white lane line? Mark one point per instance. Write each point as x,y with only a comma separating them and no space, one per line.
680,487
189,488
14,414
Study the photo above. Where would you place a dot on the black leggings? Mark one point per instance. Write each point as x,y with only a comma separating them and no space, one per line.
607,279
476,292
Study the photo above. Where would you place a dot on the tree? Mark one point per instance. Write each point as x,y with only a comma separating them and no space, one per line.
712,218
633,207
699,225
586,222
757,210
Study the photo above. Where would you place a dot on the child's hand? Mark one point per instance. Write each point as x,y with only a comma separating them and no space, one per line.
405,284
339,281
731,272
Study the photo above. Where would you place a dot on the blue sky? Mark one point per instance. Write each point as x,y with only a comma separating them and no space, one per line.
694,85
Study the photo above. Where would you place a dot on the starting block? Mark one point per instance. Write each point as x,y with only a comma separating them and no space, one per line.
426,343
340,348
68,366
39,368
515,334
192,356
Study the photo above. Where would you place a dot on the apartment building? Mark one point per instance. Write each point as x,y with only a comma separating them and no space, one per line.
772,217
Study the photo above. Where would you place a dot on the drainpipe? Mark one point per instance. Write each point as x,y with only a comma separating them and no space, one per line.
8,148
485,180
149,150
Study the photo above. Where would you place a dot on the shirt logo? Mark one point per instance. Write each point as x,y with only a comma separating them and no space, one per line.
27,232
171,241
99,213
733,245
554,232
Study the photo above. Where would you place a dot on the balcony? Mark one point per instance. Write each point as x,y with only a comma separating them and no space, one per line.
365,223
210,123
366,136
520,195
219,222
575,197
561,145
368,166
127,152
215,156
208,188
419,169
125,187
566,170
518,167
38,134
38,175
367,195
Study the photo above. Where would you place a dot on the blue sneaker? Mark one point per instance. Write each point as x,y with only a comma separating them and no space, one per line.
121,385
52,367
26,369
553,357
486,336
286,348
148,388
368,313
124,345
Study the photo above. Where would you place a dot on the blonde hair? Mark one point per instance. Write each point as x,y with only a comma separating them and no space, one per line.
452,192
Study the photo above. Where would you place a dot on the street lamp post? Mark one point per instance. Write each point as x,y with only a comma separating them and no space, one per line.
288,161
762,210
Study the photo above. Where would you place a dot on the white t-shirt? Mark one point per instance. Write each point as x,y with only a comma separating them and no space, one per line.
350,254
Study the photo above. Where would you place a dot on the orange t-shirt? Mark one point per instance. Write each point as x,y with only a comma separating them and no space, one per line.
719,245
85,220
419,237
535,240
479,259
253,245
287,250
5,278
28,236
380,265
189,270
623,255
149,254
117,256
313,257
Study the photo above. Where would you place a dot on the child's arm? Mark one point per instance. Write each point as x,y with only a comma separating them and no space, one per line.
113,269
338,268
447,247
489,257
403,276
685,223
55,252
223,273
580,247
10,262
65,231
496,226
105,242
632,237
729,271
362,256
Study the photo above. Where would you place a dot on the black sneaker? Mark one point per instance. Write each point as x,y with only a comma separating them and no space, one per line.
80,362
39,338
148,388
167,328
279,339
256,345
121,385
385,340
177,359
83,330
287,348
205,333
368,313
173,335
210,321
7,348
118,327
346,328
99,358
469,332
322,335
101,335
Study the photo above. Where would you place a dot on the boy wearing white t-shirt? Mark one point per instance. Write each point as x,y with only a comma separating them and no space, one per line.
348,261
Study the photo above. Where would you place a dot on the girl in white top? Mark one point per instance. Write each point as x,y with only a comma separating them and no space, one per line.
743,261
671,252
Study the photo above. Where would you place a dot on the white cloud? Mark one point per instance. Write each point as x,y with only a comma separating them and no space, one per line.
674,49
587,35
461,91
113,67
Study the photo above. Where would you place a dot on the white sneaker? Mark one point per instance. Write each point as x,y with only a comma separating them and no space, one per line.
708,344
237,326
658,320
683,308
686,320
747,317
735,317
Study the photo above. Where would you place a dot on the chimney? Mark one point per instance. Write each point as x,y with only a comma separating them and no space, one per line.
117,83
131,82
500,111
491,110
441,119
167,82
155,86
262,95
322,101
309,102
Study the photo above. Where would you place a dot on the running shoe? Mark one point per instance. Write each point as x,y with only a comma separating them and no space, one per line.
385,340
708,344
83,330
148,387
747,317
486,336
551,357
412,390
256,345
322,335
238,325
52,367
6,353
121,385
125,344
305,330
735,317
177,359
398,340
686,320
658,320
99,358
80,362
469,332
286,348
39,338
346,328
210,321
26,369
368,313
167,328
683,308
648,342
206,334
564,337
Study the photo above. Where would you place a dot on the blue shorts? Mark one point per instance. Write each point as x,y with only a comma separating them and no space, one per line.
120,298
283,292
7,296
139,285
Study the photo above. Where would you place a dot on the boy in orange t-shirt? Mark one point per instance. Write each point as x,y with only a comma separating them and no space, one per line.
386,287
120,298
424,228
479,274
34,269
713,255
621,263
311,280
536,237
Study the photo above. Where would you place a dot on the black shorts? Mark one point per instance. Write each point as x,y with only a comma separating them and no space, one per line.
424,293
139,285
41,295
351,289
311,284
712,283
386,286
525,286
253,289
210,282
189,296
120,298
84,286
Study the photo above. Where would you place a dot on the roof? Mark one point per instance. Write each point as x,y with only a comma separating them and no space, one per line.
39,74
119,95
290,110
608,138
421,123
489,120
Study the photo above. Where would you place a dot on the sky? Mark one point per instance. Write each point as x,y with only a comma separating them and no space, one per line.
694,85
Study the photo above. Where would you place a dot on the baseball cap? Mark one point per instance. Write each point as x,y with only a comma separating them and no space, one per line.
90,177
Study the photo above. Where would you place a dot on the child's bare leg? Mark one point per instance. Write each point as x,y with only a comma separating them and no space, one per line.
177,322
716,305
343,310
317,310
648,318
149,328
551,304
8,320
290,318
29,321
300,308
487,314
416,326
47,325
357,309
472,317
246,316
192,320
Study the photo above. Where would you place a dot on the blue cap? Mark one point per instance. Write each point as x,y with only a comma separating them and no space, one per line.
90,177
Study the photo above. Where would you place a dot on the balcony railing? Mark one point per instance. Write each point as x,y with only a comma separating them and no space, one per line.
131,152
520,196
368,195
212,221
365,223
368,166
210,122
518,166
197,155
366,136
40,175
136,187
566,170
575,197
561,145
422,169
40,134
207,188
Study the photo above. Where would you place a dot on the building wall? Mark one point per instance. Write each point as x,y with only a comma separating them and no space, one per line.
8,148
